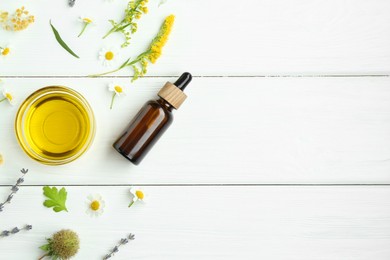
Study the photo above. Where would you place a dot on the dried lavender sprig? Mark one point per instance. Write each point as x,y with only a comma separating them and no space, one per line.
15,230
14,189
71,3
122,242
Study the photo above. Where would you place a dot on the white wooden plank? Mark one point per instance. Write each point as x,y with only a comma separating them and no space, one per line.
286,223
213,37
231,130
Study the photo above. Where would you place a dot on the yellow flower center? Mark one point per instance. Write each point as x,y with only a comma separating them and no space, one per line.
95,205
118,89
140,194
9,96
109,55
5,51
87,20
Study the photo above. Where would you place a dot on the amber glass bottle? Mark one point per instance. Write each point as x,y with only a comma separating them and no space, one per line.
152,121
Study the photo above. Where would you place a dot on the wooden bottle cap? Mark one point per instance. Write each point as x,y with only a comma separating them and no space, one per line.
172,94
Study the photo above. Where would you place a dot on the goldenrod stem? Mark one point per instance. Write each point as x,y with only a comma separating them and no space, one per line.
109,32
112,100
105,73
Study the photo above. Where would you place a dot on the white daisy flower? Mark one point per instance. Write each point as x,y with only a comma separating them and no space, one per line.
85,21
95,205
137,195
117,91
7,96
108,56
116,88
5,51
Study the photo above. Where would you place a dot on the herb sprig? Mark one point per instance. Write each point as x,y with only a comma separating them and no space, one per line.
6,233
56,199
14,189
122,242
139,64
133,11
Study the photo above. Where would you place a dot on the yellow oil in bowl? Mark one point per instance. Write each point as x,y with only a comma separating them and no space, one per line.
55,125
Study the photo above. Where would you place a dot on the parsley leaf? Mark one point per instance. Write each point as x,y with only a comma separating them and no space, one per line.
57,199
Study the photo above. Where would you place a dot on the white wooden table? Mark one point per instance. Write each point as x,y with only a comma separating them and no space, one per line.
282,150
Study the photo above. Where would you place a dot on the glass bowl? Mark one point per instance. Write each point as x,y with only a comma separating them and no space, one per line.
55,125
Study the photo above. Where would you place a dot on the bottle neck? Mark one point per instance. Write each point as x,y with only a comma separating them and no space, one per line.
165,104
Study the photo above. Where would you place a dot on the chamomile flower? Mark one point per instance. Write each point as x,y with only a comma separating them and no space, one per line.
5,51
117,91
108,56
85,21
95,205
136,195
7,96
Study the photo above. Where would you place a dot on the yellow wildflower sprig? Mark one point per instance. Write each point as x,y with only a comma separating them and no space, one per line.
127,26
139,64
18,21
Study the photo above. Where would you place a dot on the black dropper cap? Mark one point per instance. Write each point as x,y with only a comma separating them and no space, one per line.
183,81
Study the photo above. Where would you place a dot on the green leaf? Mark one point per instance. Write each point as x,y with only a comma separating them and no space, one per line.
56,199
49,203
61,42
45,247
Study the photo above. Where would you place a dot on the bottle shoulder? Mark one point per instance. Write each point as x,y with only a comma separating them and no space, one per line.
159,106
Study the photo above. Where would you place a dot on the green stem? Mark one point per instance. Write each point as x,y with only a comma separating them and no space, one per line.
112,100
1,100
123,27
113,29
131,204
117,28
82,31
138,59
105,73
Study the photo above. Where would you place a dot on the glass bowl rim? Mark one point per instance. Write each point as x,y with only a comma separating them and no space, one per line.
26,105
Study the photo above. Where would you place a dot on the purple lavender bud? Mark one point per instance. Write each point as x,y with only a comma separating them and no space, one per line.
28,227
131,236
5,233
14,188
124,241
106,257
115,250
19,181
9,198
15,230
